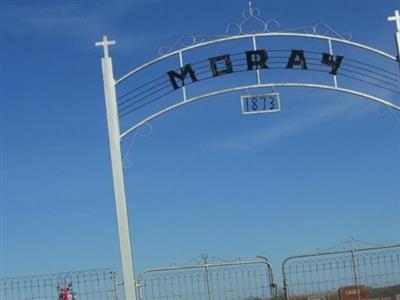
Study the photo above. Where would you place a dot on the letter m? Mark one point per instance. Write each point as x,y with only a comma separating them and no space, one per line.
184,71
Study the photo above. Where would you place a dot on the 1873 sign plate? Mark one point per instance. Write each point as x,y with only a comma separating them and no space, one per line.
261,103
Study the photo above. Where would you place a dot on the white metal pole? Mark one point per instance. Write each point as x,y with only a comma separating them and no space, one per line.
255,48
396,18
331,53
117,171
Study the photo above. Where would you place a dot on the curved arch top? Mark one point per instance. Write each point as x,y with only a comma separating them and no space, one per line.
250,36
269,85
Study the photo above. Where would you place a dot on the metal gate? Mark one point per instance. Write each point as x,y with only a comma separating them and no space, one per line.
83,285
239,280
369,273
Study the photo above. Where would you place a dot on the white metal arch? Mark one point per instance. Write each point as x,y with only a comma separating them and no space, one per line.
259,85
270,85
251,36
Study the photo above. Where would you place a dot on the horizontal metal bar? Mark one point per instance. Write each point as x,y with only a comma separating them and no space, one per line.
212,265
341,252
251,36
264,85
60,275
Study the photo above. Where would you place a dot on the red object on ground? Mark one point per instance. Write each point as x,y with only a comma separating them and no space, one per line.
65,294
352,292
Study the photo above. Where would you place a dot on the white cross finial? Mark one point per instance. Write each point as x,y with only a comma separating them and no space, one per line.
396,18
105,43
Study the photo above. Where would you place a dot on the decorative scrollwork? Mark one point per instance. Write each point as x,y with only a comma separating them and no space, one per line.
251,18
126,162
325,29
253,23
320,29
184,41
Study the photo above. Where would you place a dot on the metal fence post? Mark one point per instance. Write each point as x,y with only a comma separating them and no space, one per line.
272,284
139,290
208,279
353,261
114,279
285,285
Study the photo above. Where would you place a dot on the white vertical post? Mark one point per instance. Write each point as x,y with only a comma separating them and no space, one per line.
331,53
181,64
117,170
208,278
396,18
255,48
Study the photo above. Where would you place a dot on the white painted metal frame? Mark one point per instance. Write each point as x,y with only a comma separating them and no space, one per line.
250,36
264,85
253,37
115,136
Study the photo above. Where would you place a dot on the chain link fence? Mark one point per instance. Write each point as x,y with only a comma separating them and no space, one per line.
82,285
241,280
357,274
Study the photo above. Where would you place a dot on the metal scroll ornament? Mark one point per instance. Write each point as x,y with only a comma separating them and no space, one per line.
252,23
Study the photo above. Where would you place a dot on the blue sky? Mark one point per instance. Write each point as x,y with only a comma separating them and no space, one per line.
201,179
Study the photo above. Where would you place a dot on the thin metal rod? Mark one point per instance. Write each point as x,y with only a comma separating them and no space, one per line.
263,85
285,284
341,251
224,264
208,280
273,285
331,53
353,261
266,34
257,71
181,64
